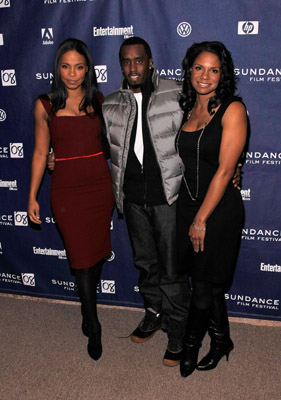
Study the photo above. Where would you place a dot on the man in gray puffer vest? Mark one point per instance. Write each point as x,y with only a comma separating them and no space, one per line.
142,119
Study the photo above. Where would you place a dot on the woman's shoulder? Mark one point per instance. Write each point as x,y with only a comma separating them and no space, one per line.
232,99
232,102
45,99
234,111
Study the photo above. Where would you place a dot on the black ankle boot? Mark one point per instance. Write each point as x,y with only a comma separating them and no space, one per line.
190,355
94,345
221,345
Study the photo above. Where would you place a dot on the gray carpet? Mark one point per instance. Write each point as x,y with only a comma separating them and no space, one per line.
43,356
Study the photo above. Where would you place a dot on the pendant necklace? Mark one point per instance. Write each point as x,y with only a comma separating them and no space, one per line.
197,152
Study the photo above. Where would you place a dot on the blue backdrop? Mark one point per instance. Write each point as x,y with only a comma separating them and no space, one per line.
33,262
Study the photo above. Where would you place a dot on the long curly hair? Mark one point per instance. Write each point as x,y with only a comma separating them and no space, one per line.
227,84
59,92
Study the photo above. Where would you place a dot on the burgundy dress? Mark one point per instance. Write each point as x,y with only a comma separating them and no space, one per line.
81,188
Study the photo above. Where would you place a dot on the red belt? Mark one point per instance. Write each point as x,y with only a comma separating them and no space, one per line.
74,158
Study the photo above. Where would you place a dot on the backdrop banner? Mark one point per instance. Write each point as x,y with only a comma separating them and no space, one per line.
33,261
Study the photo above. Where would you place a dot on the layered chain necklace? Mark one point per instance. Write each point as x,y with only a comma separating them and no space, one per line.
197,151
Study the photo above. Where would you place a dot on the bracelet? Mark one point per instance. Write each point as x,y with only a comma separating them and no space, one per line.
197,227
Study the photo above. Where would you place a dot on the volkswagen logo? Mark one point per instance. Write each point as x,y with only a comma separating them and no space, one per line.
2,115
184,29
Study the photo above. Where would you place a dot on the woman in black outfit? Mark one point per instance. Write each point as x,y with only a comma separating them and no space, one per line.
210,209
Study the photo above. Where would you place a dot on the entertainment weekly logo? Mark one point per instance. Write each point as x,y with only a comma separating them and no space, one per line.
126,31
26,278
11,185
259,74
246,194
248,301
61,254
1,39
261,235
270,267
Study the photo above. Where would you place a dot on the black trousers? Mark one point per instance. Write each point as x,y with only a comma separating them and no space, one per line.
152,232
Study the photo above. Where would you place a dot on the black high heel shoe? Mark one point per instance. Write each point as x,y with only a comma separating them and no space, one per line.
94,345
217,351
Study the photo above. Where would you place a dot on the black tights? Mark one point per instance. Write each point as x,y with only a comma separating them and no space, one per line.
87,280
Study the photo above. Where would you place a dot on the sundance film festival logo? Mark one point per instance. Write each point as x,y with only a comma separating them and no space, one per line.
263,235
28,279
108,287
248,27
259,74
8,277
5,3
101,73
1,39
47,36
3,115
253,301
16,150
263,158
20,218
8,77
67,285
184,29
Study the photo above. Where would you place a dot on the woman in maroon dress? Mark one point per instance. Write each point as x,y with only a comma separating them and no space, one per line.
81,191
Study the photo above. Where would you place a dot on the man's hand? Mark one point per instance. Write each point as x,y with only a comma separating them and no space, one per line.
51,161
236,180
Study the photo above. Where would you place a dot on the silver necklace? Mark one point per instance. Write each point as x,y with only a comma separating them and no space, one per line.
198,155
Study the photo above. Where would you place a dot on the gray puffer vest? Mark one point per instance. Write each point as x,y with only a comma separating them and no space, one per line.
164,117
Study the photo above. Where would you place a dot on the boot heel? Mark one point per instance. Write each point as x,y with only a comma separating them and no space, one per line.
227,355
229,350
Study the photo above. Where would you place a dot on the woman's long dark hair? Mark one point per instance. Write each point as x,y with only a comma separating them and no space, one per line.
227,84
59,92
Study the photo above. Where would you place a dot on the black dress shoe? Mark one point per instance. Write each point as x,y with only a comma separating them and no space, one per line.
94,345
147,327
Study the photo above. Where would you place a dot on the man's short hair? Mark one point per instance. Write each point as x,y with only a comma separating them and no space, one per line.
135,40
